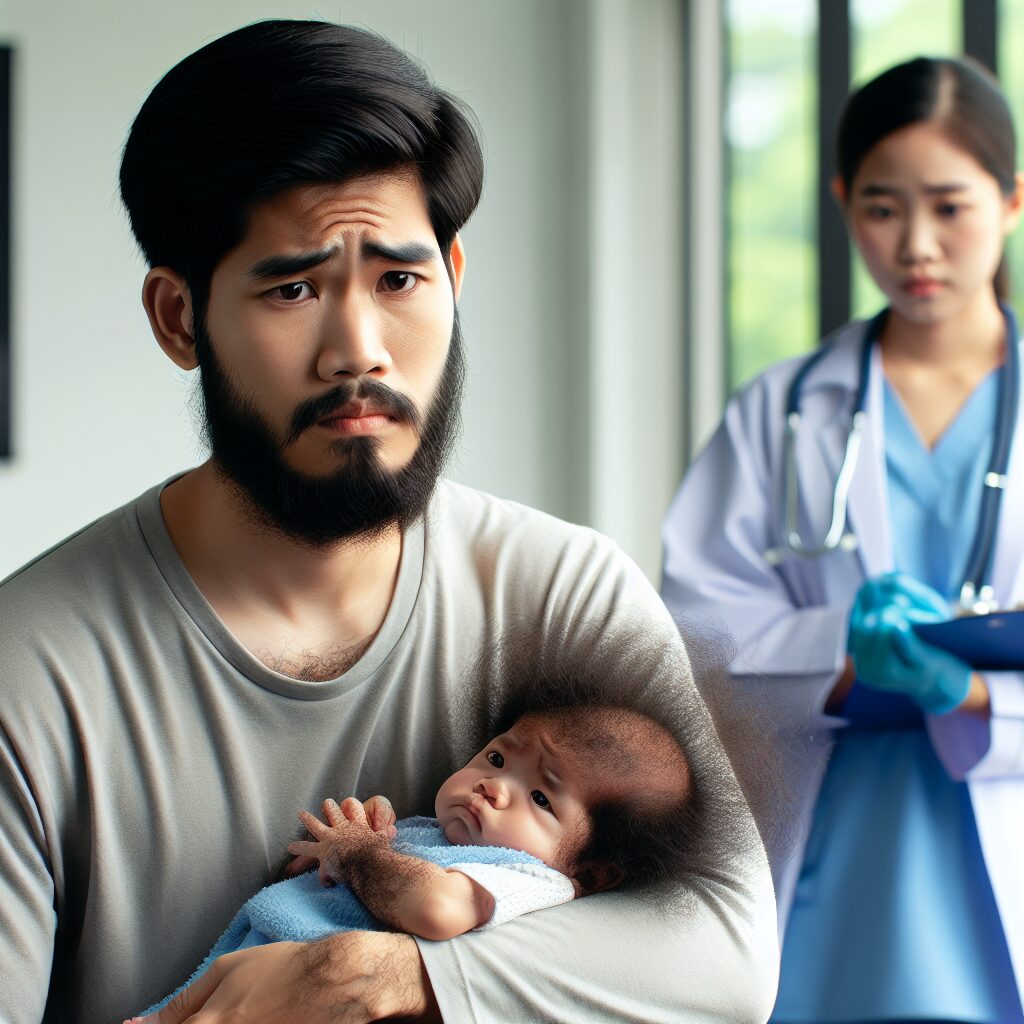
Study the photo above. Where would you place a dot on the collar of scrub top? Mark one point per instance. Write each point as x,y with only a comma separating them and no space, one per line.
975,596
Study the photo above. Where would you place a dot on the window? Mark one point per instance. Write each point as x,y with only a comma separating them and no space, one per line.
789,63
771,307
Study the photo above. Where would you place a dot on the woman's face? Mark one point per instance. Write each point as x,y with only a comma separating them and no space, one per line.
929,222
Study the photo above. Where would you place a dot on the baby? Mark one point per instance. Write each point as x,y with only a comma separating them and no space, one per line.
565,802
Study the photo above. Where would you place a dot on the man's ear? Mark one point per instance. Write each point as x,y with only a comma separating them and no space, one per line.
457,261
593,876
168,303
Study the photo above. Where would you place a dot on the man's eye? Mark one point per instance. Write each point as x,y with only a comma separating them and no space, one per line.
540,799
397,281
948,210
495,759
293,291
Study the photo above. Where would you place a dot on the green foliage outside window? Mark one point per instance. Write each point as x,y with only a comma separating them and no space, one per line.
772,155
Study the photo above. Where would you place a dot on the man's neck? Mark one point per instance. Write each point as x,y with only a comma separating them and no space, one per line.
305,611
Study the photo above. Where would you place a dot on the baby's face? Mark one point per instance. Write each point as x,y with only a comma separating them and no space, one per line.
524,790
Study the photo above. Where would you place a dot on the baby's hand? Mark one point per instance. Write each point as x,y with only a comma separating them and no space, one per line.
381,816
346,833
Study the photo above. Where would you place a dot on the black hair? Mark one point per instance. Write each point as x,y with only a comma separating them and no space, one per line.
732,766
274,106
646,839
960,96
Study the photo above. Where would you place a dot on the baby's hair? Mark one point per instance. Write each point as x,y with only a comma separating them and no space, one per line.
643,832
667,854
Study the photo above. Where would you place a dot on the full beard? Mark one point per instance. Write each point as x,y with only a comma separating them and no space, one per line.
362,498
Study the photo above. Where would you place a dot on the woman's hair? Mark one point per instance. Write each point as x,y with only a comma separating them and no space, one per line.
958,96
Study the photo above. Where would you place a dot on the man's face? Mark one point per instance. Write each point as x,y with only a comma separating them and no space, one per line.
330,358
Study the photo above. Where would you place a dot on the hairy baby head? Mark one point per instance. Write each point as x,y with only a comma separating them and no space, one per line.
597,792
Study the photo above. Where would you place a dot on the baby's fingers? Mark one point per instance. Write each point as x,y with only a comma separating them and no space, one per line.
314,826
305,849
332,812
353,810
299,866
381,816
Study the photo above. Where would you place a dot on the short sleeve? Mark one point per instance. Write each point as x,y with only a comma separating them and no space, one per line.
518,888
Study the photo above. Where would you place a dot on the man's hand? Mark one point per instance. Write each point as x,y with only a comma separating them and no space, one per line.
352,978
343,839
381,817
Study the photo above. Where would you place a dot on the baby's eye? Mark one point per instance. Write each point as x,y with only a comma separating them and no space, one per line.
495,759
540,799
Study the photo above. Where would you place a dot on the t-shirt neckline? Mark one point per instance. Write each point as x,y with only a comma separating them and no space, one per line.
202,614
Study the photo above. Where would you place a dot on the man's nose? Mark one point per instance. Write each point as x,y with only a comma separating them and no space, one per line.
353,342
495,792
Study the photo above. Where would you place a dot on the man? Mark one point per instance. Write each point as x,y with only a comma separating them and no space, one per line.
310,612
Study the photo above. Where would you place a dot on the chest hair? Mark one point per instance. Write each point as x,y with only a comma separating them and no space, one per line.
313,664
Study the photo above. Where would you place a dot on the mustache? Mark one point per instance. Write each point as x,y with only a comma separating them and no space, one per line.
384,399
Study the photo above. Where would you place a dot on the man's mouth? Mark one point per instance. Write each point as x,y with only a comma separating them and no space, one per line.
350,412
354,419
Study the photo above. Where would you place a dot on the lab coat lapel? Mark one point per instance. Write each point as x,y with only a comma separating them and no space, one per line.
867,503
1008,559
869,496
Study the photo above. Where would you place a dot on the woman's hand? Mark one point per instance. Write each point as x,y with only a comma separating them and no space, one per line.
890,656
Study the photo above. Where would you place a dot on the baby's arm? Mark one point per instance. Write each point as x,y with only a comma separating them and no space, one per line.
406,893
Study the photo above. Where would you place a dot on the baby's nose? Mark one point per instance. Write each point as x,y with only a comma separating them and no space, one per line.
495,791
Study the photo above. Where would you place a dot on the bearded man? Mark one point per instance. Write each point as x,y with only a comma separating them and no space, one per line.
312,611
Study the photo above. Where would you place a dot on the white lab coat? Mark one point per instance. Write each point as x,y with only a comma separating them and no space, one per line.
789,622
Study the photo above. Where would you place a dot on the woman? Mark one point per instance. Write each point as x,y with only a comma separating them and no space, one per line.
905,898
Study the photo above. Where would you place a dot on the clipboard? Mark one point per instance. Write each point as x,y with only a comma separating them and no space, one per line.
993,641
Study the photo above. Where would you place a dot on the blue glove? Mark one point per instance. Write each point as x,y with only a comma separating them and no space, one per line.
888,655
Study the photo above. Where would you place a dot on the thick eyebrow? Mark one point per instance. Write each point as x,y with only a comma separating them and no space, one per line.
296,263
888,190
408,252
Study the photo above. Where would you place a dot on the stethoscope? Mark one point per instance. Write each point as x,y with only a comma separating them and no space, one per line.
976,596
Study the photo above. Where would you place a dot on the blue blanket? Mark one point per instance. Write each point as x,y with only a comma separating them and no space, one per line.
302,910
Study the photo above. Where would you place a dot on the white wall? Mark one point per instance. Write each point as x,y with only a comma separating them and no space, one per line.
550,310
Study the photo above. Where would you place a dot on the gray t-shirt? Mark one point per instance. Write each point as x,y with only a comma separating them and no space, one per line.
151,771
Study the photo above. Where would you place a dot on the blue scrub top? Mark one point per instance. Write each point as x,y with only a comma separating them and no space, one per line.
893,917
